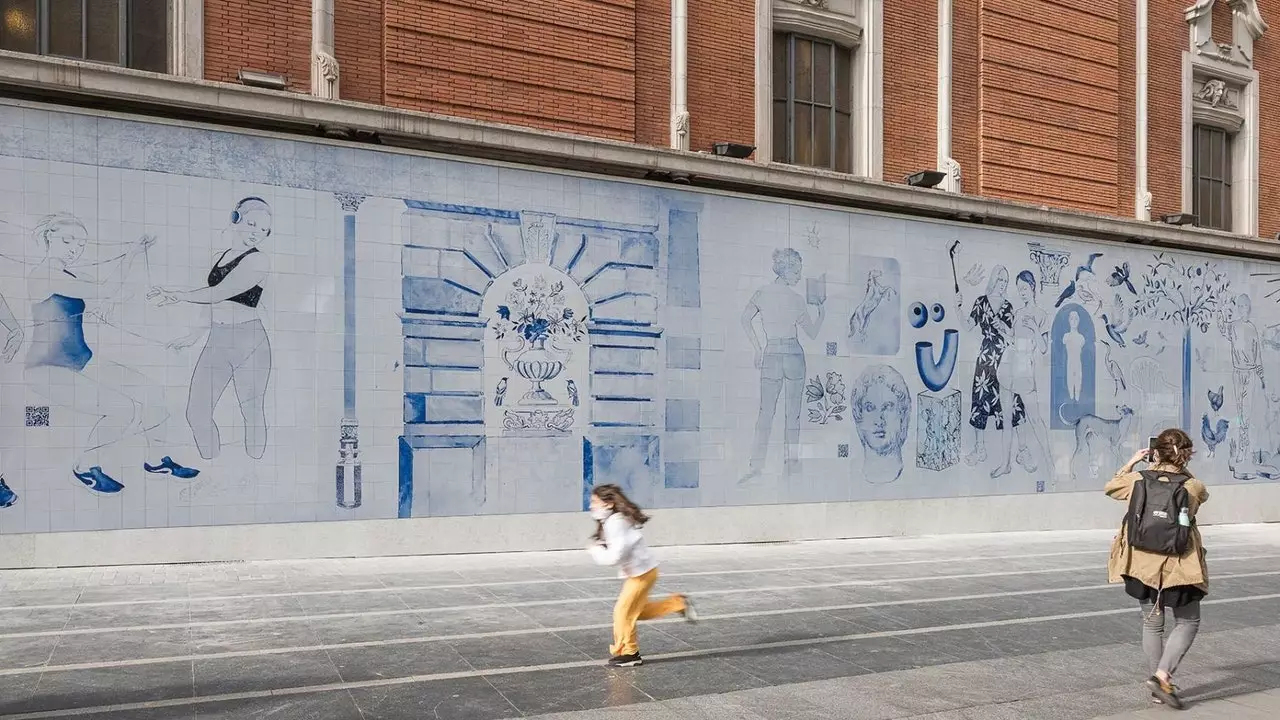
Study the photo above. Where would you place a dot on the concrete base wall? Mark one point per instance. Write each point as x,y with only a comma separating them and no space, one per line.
567,531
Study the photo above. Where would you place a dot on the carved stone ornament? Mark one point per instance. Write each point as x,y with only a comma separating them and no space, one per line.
816,19
1215,93
1247,26
814,3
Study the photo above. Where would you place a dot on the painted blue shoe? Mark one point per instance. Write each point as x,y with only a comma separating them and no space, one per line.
168,467
7,496
98,481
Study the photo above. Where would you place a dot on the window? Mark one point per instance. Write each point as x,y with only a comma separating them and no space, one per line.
1211,177
812,89
132,33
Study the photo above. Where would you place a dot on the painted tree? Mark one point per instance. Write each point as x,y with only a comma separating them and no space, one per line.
1187,294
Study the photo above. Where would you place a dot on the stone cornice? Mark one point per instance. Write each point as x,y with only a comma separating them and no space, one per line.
112,89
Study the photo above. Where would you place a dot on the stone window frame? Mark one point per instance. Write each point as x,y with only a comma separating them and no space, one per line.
1220,89
861,34
186,38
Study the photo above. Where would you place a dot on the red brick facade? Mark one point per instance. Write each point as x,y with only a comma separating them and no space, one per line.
1043,95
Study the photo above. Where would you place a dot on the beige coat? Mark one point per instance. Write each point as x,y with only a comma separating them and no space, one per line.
1152,569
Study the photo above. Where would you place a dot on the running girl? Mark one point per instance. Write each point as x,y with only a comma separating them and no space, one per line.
617,541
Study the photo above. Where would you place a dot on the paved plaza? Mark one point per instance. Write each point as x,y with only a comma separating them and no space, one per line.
1014,626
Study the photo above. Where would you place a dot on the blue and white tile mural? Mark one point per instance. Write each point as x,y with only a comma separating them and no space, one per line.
204,327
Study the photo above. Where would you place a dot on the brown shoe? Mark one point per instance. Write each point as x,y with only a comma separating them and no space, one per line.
1165,692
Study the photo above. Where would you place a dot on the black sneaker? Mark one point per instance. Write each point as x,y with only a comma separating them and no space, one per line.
633,660
690,612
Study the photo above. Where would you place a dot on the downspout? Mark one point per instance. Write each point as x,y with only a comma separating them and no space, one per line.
946,163
1142,193
679,74
324,66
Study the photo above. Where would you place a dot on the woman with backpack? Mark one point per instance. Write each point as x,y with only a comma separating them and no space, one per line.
617,541
1159,555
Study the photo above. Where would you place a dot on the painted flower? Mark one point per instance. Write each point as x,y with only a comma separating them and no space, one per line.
504,312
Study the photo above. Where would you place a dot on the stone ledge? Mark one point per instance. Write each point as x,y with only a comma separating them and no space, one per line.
117,89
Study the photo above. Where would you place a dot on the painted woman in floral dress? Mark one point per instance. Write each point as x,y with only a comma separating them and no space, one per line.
992,314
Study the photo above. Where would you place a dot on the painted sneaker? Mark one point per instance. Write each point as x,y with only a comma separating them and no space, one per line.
7,496
98,481
633,660
168,467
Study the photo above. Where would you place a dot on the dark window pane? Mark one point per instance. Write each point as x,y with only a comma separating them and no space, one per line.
844,79
780,149
18,31
781,65
844,139
65,28
803,69
822,73
102,30
822,137
803,134
148,38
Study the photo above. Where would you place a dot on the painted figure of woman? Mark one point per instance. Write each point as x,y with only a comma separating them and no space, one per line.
60,365
1019,371
782,312
236,349
1249,455
1073,342
992,314
12,343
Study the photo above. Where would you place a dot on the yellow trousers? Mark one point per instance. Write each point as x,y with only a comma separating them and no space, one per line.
633,605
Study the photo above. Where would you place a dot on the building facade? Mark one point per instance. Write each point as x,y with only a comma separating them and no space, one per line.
247,317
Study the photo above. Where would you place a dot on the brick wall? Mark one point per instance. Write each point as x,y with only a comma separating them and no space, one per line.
357,43
910,87
722,78
1049,102
1266,60
564,65
1166,43
274,35
653,72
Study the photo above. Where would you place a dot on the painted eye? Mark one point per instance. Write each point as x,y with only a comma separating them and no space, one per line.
918,315
938,312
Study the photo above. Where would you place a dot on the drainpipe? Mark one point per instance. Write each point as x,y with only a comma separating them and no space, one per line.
324,66
679,74
1142,192
946,163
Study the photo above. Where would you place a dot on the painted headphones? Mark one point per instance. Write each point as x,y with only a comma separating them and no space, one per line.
237,216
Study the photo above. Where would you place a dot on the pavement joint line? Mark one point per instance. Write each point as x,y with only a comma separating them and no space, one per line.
40,669
495,672
535,603
548,581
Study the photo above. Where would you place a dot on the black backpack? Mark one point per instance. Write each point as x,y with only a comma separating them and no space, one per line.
1160,513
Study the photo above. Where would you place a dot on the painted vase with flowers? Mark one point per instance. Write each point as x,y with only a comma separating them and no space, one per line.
535,321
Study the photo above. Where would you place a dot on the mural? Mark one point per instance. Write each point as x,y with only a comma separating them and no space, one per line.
202,327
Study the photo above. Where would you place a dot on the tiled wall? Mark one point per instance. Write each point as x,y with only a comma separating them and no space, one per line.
210,328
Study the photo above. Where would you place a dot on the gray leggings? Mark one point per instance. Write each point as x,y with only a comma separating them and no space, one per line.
1165,653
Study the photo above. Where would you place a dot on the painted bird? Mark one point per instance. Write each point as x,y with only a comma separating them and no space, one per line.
1115,330
1215,399
1113,369
573,392
1120,276
500,393
1070,289
1213,437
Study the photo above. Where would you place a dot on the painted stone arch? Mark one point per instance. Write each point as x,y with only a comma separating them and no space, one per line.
509,402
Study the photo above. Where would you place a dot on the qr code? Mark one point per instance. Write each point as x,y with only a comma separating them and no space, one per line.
842,450
831,349
1039,486
37,416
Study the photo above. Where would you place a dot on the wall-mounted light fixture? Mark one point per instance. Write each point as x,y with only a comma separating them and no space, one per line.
1179,219
263,79
925,178
733,150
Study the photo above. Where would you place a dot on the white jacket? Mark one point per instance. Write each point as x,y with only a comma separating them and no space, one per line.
624,546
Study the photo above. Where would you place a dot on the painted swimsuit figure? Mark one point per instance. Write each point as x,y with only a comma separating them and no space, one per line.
237,349
61,367
13,343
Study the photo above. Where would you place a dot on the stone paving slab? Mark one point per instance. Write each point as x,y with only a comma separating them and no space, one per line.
1018,626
